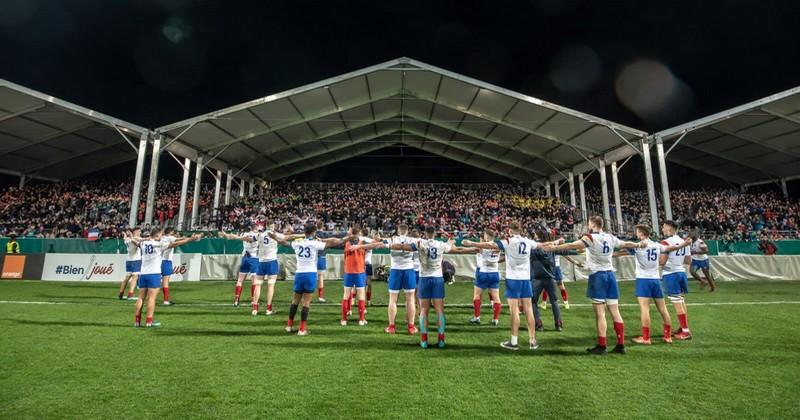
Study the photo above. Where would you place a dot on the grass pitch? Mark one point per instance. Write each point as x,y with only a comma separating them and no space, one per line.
79,356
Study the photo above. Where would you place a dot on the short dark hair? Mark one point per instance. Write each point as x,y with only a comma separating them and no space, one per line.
309,229
356,229
671,223
430,230
597,221
542,234
154,232
644,229
515,226
491,232
168,230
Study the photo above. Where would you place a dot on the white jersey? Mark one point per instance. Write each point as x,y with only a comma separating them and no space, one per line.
250,249
402,260
268,247
695,248
518,256
431,254
647,260
558,261
134,252
306,252
151,256
415,259
166,253
368,254
599,251
488,261
675,258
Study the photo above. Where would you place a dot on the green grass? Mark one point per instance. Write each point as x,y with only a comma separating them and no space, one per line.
84,359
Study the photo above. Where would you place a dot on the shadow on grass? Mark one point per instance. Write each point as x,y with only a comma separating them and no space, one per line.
66,323
221,333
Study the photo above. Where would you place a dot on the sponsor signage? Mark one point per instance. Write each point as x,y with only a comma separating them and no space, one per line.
110,267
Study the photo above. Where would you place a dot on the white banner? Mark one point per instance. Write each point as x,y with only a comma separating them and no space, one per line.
110,267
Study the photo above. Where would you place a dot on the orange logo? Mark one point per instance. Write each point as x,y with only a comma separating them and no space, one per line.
13,266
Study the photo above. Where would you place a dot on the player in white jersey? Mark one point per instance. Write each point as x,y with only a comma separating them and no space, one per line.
166,263
431,287
674,276
648,281
150,279
402,277
602,288
518,280
700,261
487,277
133,264
249,263
305,276
375,237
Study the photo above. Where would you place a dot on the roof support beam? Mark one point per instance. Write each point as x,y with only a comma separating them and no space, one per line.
426,147
22,112
44,139
331,160
723,156
757,142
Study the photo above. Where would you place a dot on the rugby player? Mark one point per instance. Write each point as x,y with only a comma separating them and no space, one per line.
355,278
487,277
674,277
700,261
133,264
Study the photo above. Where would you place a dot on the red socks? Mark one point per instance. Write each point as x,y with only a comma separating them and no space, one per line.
149,320
564,295
646,333
321,291
369,293
302,325
441,337
476,305
683,321
362,309
667,330
138,319
237,292
269,307
130,295
252,290
545,296
602,342
345,304
166,294
496,306
255,307
290,323
619,328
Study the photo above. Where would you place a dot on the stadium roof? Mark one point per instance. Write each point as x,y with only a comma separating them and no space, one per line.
47,138
402,101
752,143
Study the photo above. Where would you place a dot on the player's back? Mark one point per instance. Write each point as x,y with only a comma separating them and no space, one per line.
306,251
134,251
166,253
354,262
518,250
696,248
267,247
600,251
250,247
488,261
151,256
402,260
675,258
431,254
647,260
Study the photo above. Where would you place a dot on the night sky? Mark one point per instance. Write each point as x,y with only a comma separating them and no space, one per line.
153,62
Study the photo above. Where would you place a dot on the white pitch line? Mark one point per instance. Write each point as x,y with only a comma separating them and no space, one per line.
452,305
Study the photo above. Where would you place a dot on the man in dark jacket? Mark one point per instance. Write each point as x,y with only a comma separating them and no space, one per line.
543,278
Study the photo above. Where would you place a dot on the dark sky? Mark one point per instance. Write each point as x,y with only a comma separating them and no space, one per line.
153,62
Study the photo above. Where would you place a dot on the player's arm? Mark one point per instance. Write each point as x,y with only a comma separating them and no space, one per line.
231,237
573,261
374,245
403,247
631,245
581,243
463,250
492,246
182,241
670,248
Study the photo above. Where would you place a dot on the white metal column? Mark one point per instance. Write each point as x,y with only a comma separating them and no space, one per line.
547,188
187,164
252,187
241,187
584,216
198,179
662,170
571,188
601,167
151,184
617,204
651,188
22,179
228,184
557,188
137,181
784,188
217,188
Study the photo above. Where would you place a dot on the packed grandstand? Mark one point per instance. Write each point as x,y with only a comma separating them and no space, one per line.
70,209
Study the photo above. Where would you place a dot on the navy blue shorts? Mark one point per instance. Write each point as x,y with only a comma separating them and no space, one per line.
700,264
559,277
248,265
322,263
305,282
166,267
603,287
485,281
676,284
149,281
649,288
405,280
355,280
267,268
133,266
431,288
368,269
518,289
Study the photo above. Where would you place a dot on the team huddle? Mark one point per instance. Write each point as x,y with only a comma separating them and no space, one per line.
532,272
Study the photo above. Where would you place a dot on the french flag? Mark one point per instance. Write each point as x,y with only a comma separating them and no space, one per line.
93,234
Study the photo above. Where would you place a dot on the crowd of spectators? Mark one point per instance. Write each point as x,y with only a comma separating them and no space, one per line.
71,209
